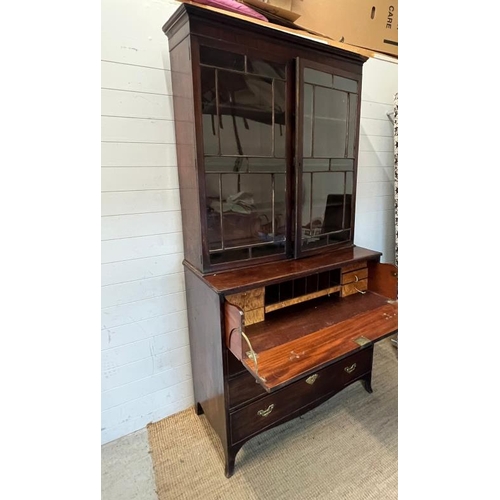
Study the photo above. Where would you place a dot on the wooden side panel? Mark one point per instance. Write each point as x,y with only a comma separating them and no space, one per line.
383,279
205,325
182,86
235,324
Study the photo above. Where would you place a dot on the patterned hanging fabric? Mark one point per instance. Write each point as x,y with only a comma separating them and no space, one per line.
396,177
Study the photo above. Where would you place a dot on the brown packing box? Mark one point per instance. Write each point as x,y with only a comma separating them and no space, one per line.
372,24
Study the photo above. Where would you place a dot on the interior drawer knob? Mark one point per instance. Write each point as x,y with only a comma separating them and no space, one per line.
265,413
310,380
350,369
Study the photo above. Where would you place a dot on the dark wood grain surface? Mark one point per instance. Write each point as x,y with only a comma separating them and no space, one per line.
267,274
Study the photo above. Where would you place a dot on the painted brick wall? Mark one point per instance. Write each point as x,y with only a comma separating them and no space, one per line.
146,371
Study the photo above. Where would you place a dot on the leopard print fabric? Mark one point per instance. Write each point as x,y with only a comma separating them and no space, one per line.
396,176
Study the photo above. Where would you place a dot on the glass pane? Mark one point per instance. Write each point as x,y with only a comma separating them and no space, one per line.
279,119
224,164
228,164
280,207
326,208
349,182
320,165
308,112
209,110
341,164
345,84
353,121
307,229
266,165
330,122
266,68
213,211
318,77
221,58
245,109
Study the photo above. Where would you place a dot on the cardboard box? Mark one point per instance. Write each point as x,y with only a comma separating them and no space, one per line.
372,24
280,8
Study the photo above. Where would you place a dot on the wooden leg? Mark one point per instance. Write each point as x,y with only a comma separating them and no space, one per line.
367,383
230,458
198,409
230,455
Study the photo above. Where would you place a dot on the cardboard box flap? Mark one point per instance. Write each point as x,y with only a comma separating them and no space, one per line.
273,10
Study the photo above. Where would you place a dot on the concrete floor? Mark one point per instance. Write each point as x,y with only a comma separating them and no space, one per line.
127,469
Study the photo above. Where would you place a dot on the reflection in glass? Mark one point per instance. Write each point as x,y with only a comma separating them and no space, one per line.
246,209
266,68
330,122
307,122
210,124
326,208
318,77
221,58
345,84
353,119
243,105
279,119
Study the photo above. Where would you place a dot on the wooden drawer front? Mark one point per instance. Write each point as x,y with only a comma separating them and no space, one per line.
354,266
244,388
353,276
352,288
278,406
253,299
356,365
252,302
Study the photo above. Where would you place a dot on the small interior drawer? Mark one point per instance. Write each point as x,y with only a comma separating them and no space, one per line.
353,276
354,266
352,288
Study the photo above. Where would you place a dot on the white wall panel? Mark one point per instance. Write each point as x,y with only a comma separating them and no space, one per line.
138,269
139,248
173,325
136,104
139,178
138,155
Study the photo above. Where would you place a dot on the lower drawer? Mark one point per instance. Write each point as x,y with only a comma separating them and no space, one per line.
282,404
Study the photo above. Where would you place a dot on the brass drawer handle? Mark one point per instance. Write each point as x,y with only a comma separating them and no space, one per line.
310,380
265,413
356,288
350,369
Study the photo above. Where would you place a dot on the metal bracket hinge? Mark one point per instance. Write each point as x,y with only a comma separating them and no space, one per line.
362,341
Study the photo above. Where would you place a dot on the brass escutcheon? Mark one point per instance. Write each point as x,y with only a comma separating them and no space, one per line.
265,413
350,369
310,380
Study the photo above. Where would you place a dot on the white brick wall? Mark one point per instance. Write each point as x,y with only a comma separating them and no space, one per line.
146,371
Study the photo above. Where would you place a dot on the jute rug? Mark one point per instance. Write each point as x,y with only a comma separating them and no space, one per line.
343,449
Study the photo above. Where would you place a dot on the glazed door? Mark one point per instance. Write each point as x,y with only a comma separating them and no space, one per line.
326,148
246,153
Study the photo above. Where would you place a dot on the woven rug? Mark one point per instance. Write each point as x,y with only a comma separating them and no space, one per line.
344,449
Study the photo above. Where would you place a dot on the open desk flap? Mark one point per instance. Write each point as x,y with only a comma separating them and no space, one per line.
293,344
